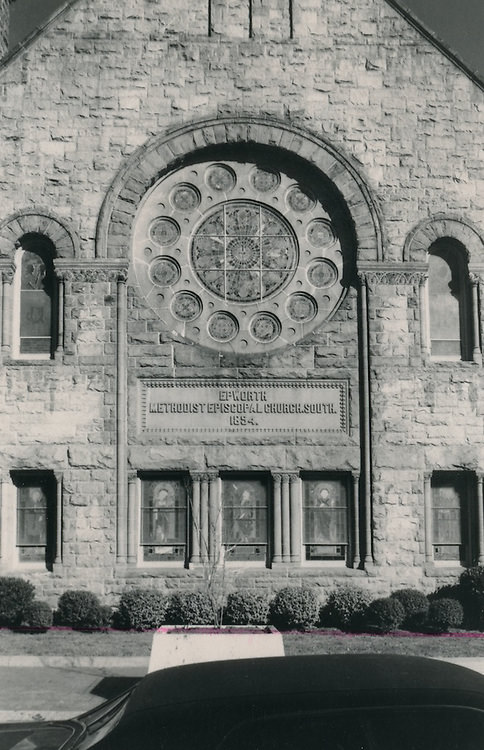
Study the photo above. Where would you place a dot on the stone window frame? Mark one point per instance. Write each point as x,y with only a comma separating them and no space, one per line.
467,240
64,241
34,243
472,533
177,477
228,549
457,263
205,544
52,484
239,253
344,478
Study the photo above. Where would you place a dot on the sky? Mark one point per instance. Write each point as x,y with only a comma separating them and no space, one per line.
458,23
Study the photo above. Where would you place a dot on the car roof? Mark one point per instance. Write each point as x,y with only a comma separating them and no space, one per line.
344,680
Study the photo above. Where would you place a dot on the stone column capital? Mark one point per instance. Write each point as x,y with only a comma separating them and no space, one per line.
7,271
67,269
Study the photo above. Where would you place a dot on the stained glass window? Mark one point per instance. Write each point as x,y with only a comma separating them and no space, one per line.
164,519
244,251
245,518
325,532
451,516
239,256
448,303
36,499
37,297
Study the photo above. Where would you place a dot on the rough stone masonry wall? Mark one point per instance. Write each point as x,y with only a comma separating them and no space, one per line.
60,416
426,416
105,78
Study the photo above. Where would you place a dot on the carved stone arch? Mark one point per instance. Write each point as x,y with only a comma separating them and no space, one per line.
162,153
40,221
439,227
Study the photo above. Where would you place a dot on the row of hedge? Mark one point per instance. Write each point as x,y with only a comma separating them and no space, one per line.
348,608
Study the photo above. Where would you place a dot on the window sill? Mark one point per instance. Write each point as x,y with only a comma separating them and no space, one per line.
334,564
26,361
438,569
451,362
29,566
158,564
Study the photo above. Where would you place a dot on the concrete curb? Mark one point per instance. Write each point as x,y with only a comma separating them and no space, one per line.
97,662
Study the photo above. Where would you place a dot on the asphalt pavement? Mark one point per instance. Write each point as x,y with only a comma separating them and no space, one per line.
57,687
35,688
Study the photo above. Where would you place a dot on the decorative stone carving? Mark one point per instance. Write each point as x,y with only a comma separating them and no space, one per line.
91,271
387,276
408,274
476,278
7,271
244,252
247,260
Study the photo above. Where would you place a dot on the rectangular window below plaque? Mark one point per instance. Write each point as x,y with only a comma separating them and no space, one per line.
163,519
325,517
245,509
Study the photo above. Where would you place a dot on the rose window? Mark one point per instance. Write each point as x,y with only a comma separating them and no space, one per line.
236,256
244,251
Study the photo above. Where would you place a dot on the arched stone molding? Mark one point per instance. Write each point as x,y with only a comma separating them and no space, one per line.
437,227
470,242
37,221
161,153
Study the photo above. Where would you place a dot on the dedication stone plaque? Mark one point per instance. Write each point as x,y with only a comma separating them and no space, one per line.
244,406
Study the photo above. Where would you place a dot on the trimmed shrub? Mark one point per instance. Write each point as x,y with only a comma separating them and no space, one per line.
471,596
15,596
345,608
448,591
82,610
472,580
294,608
190,608
141,609
37,616
416,606
384,615
246,608
444,614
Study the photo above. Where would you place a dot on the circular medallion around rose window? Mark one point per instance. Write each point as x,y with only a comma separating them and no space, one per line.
237,255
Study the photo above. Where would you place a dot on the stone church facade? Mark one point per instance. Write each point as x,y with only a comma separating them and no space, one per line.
241,255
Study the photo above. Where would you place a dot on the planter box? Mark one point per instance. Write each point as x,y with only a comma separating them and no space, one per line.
176,645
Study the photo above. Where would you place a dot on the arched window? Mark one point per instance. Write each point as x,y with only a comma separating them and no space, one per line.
449,302
36,298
